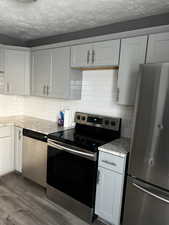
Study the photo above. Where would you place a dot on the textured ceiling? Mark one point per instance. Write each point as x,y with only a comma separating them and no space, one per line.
51,17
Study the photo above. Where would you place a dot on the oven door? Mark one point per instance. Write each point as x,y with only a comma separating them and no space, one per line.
72,172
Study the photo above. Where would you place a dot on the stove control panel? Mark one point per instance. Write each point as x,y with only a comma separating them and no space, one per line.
111,123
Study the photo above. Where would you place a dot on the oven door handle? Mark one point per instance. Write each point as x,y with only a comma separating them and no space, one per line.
73,151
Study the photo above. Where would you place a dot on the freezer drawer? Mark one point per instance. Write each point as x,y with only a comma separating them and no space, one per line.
145,205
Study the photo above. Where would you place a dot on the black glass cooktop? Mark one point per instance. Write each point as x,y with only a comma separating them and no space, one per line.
84,136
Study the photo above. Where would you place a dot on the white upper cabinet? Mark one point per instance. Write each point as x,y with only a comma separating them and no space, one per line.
17,71
66,82
106,53
52,75
81,55
100,54
41,72
158,48
133,53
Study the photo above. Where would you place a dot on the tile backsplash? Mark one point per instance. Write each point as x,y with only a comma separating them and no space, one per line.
11,105
98,96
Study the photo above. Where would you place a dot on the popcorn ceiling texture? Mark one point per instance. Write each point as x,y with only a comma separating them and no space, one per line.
31,20
98,96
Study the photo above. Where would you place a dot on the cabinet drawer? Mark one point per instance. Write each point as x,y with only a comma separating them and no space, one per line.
5,131
111,162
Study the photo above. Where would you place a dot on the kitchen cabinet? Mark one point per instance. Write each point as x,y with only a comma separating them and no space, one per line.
100,54
41,72
158,48
81,55
17,71
18,149
52,75
6,150
34,160
109,190
133,53
66,82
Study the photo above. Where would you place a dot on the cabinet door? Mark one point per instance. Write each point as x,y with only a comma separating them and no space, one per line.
66,82
158,48
133,52
16,71
41,72
34,160
81,56
18,149
6,155
109,196
106,53
60,72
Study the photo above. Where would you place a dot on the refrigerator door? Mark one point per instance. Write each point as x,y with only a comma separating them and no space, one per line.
145,205
149,159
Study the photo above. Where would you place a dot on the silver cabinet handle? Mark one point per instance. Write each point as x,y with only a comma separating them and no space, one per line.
110,163
19,135
44,90
160,126
150,193
118,93
93,56
7,87
47,90
88,56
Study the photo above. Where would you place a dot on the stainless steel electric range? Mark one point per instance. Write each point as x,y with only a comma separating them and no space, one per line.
72,162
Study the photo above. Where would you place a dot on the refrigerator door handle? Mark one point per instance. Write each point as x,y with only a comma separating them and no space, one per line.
150,193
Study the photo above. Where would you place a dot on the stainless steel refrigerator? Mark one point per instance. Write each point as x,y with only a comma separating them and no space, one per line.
147,190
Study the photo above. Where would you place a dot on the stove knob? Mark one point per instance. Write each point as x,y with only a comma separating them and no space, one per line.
83,118
113,123
106,122
78,117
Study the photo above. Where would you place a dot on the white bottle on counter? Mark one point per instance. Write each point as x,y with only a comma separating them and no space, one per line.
67,118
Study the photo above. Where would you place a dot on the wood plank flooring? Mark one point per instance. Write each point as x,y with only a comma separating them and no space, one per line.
24,203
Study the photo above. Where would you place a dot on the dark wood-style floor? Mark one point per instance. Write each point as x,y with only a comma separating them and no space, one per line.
24,203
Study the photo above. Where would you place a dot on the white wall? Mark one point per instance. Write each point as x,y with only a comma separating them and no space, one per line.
98,96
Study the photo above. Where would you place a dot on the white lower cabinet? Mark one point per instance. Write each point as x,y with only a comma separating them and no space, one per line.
109,191
6,150
18,149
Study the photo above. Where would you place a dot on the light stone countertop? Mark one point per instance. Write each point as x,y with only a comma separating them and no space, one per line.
119,147
32,123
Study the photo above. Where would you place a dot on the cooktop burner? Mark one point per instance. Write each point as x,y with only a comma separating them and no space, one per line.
90,132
